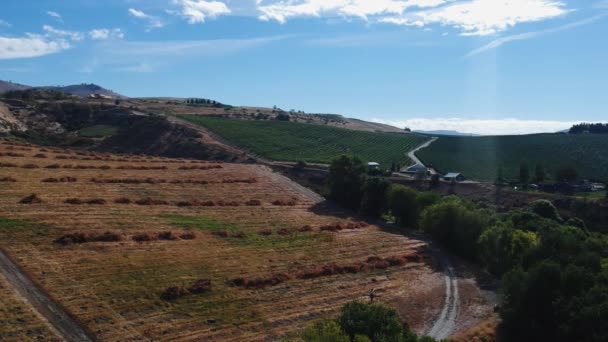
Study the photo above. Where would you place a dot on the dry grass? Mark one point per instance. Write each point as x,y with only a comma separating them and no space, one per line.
114,287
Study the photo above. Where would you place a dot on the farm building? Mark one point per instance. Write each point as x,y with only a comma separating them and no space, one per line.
454,176
417,169
373,166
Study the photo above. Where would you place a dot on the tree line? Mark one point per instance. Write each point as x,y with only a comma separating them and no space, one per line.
554,270
593,128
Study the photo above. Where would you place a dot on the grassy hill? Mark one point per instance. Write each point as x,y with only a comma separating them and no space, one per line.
288,141
480,157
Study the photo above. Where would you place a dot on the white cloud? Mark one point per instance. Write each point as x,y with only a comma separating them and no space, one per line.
153,22
51,31
55,16
471,17
529,35
30,46
482,126
103,34
281,11
483,17
197,11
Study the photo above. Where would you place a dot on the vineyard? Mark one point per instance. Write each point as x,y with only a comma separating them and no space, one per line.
480,158
289,141
148,248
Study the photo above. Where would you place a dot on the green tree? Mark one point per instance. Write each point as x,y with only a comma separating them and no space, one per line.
325,331
375,321
375,196
539,173
546,209
403,204
524,174
502,248
346,179
455,225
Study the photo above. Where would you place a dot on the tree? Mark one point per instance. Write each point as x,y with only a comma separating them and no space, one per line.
346,179
403,204
283,117
502,247
325,331
524,174
546,209
567,174
375,196
539,173
375,321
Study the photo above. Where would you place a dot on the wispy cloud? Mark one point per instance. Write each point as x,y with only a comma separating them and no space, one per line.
55,16
154,22
30,46
4,23
149,56
72,35
368,39
529,35
103,34
482,126
197,11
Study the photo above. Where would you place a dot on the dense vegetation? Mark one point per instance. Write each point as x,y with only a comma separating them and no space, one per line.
290,141
481,158
593,128
554,269
361,322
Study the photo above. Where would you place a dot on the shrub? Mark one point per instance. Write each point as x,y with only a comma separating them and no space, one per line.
40,155
31,199
7,180
72,238
143,237
545,209
150,201
284,203
200,286
265,232
187,236
253,203
260,282
325,331
374,202
75,201
122,200
306,228
167,236
375,321
173,293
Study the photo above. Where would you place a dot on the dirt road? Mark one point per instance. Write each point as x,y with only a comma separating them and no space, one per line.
412,153
445,325
67,328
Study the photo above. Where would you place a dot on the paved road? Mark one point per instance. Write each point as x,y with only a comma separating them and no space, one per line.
68,329
412,153
445,324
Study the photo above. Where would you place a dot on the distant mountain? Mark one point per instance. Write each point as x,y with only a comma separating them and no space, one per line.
82,90
9,86
85,90
449,133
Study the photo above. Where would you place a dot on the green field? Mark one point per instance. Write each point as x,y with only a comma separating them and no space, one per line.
98,131
288,141
480,157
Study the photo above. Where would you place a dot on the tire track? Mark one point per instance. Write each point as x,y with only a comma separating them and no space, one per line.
446,322
68,329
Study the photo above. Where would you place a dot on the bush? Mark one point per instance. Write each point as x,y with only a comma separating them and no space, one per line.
455,226
325,331
375,200
31,199
502,248
545,209
403,204
375,321
173,293
200,286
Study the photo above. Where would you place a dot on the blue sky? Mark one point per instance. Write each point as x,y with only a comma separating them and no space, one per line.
480,66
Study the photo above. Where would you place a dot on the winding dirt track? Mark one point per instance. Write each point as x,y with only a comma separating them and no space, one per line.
68,328
412,153
446,323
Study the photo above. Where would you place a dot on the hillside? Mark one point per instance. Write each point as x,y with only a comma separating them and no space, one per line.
9,86
481,157
290,141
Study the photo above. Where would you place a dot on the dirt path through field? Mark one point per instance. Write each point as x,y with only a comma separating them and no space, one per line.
412,153
67,328
445,324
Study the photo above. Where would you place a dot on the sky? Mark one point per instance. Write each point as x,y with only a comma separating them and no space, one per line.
476,66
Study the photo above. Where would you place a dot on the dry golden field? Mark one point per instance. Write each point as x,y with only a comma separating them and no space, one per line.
260,239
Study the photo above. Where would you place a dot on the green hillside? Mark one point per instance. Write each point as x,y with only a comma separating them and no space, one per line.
480,157
288,141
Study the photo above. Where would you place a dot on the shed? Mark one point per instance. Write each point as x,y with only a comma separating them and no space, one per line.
454,176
